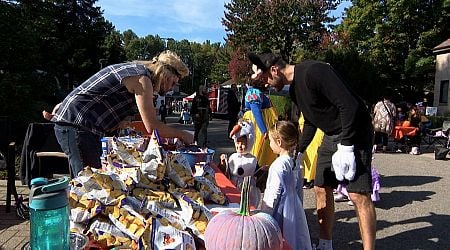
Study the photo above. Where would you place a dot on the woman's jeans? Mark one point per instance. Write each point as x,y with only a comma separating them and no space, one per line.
83,148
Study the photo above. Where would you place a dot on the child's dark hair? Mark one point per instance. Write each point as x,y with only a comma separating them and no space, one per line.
286,131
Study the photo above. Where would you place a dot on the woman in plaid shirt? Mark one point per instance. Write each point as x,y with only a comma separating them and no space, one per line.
102,103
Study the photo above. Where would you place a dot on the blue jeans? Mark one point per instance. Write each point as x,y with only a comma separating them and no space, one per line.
83,148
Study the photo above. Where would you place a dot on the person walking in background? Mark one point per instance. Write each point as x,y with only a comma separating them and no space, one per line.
259,111
200,116
280,197
234,106
345,154
102,102
384,114
185,116
163,111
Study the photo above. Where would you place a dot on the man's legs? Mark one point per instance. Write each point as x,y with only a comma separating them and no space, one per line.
324,182
202,135
233,119
325,211
196,131
365,211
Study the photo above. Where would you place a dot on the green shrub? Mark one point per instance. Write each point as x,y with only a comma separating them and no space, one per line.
282,104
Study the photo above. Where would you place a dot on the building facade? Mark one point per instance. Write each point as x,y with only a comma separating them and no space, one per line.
442,78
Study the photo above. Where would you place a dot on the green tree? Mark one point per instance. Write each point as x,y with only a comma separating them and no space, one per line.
277,25
47,47
114,49
398,37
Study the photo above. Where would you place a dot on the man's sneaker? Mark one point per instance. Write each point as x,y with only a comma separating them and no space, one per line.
340,198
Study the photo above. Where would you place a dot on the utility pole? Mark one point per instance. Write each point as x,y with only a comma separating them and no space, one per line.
100,61
165,39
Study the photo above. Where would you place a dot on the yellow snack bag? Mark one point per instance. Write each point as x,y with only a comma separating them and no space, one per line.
179,170
209,190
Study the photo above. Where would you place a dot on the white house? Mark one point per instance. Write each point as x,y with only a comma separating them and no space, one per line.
442,77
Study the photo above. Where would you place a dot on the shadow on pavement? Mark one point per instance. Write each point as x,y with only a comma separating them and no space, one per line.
401,198
432,236
406,181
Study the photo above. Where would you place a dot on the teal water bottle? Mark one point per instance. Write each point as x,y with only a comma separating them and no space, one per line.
49,214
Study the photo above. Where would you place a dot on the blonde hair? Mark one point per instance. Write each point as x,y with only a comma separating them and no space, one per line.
164,65
286,132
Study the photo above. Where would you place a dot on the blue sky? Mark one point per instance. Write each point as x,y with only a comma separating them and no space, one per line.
194,20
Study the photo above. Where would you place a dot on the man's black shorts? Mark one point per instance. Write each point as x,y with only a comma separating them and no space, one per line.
325,176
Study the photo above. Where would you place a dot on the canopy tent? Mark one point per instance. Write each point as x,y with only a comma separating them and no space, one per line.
189,98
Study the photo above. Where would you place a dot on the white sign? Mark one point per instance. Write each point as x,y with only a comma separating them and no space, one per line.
431,111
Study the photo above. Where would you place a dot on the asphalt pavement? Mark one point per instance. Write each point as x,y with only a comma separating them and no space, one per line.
413,211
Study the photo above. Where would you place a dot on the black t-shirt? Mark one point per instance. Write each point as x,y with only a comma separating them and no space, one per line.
327,103
200,109
233,103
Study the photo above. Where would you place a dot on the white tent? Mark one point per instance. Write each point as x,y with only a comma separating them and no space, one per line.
189,98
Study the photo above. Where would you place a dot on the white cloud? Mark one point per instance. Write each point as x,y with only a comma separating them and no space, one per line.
200,14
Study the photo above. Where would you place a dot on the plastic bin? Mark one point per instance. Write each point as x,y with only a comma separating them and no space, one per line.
196,157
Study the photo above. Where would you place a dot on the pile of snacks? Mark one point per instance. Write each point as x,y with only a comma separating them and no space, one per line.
143,197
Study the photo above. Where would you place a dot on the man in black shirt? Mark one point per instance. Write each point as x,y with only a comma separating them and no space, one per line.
163,111
345,154
200,116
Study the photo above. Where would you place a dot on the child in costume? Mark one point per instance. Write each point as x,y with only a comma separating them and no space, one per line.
342,194
260,111
280,197
242,163
185,116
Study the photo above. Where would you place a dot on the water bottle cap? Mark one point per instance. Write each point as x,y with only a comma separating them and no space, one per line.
49,194
39,181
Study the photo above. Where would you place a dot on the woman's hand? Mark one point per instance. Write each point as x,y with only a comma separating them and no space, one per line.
47,115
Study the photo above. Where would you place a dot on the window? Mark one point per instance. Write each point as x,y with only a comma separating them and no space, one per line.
443,94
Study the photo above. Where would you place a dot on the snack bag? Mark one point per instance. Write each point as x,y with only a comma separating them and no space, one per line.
205,170
168,237
153,165
160,197
154,169
99,185
100,227
134,178
127,154
200,215
83,206
128,220
191,193
164,215
179,170
209,190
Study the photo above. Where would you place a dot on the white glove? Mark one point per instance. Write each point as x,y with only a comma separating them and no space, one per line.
344,164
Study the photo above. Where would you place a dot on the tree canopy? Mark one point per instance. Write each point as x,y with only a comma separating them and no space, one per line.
50,46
